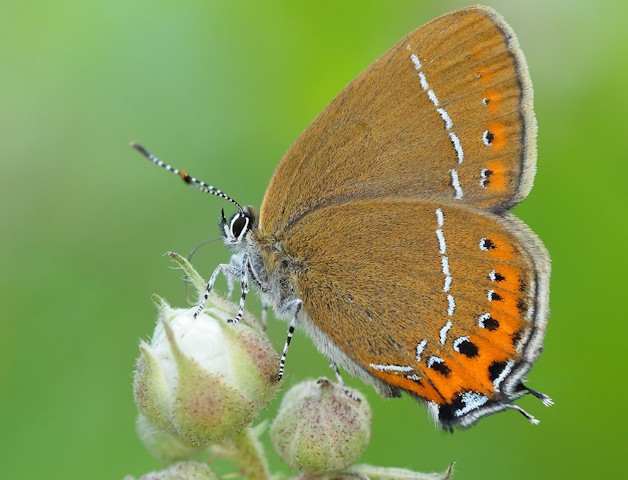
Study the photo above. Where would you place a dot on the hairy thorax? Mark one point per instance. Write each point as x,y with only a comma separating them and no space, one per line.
276,271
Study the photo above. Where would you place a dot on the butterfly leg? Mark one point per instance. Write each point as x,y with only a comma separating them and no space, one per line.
547,401
531,418
264,315
340,381
229,271
259,285
236,261
334,367
296,304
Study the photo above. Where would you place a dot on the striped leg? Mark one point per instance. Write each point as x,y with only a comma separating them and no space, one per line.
282,362
230,271
340,381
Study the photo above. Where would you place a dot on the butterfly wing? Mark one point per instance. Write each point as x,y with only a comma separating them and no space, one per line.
446,114
392,210
446,303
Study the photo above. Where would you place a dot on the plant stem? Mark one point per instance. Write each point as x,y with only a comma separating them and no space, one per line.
248,453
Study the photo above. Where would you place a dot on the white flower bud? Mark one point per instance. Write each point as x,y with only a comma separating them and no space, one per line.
321,427
203,379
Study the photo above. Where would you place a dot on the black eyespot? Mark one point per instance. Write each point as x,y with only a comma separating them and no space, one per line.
485,174
486,244
467,348
495,370
496,276
438,365
493,296
487,138
486,321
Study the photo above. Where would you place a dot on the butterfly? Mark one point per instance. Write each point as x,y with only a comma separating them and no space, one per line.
385,231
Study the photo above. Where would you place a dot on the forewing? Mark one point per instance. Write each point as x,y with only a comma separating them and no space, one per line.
445,114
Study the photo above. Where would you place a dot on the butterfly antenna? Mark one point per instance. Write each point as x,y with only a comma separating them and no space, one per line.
195,182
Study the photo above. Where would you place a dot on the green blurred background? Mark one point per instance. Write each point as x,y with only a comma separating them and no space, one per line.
222,89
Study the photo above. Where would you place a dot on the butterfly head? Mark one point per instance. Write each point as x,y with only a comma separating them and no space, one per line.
234,230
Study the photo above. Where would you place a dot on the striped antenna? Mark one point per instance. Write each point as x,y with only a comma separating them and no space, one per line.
196,183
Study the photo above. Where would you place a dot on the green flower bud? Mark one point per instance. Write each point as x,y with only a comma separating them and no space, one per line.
163,445
181,470
321,427
203,380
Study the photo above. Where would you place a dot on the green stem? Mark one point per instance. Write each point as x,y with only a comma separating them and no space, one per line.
247,452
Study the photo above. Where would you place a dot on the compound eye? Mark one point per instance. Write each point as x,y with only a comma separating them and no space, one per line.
239,223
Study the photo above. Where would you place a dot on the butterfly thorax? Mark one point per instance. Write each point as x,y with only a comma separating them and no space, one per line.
275,270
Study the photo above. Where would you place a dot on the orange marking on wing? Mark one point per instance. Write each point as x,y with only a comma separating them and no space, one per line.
494,101
503,250
511,277
476,53
498,129
508,302
497,181
423,389
484,74
488,352
508,325
467,374
500,339
448,386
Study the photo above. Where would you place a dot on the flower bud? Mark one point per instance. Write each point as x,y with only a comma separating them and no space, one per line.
163,445
178,471
204,379
321,427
